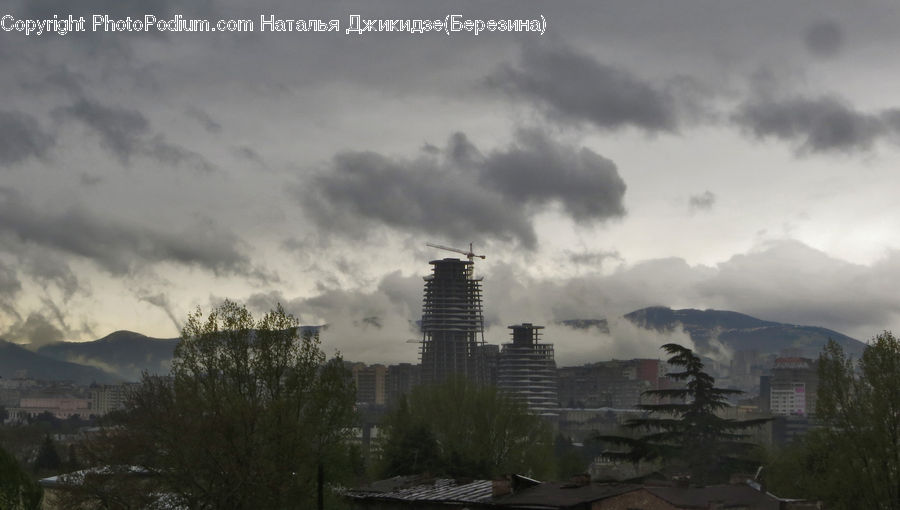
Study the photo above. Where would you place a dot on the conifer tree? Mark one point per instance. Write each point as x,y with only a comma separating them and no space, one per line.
683,430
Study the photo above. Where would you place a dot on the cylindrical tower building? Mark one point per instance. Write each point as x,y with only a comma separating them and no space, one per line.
526,369
452,322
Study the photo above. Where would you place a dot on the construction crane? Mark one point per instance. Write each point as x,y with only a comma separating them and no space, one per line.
469,253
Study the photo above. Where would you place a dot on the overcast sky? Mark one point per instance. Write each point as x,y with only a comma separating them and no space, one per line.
706,154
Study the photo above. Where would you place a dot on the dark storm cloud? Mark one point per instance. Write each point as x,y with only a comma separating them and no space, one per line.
21,138
204,119
416,195
593,258
117,247
36,331
575,86
702,201
462,195
89,180
537,170
121,130
56,312
9,281
127,133
48,268
175,155
9,287
161,301
824,39
822,125
249,154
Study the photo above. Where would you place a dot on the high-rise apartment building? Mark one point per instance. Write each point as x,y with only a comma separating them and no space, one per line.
526,369
109,397
452,322
370,383
793,387
401,379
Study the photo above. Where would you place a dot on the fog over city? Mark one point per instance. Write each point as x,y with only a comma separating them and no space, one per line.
691,154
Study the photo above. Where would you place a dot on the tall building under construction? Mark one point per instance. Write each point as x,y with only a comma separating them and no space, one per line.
452,323
526,369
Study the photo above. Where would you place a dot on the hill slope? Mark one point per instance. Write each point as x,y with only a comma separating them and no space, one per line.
16,360
740,332
124,353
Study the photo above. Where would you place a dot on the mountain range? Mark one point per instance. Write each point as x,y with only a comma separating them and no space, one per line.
124,355
712,329
16,361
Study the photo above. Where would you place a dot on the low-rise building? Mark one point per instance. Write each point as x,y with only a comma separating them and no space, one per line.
59,407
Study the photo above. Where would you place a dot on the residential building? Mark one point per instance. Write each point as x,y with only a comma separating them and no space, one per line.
526,369
59,407
400,380
370,383
617,384
452,322
793,387
109,397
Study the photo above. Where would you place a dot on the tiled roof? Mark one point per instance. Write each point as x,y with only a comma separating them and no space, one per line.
411,489
563,494
742,496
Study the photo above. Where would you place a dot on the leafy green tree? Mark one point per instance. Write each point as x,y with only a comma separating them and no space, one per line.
251,416
810,468
570,460
412,447
47,458
17,490
687,434
72,461
854,460
462,429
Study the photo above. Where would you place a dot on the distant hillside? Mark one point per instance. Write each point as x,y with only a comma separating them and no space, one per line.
600,324
123,353
740,332
15,359
126,353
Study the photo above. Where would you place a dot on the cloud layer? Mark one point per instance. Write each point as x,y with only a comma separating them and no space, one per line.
574,86
21,138
461,194
115,246
817,125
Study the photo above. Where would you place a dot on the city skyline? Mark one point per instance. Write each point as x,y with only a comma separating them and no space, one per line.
685,154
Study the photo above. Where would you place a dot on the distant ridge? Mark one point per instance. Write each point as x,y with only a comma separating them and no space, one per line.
15,360
741,332
124,353
600,324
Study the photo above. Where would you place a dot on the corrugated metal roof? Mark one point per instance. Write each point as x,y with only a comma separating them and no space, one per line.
441,489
